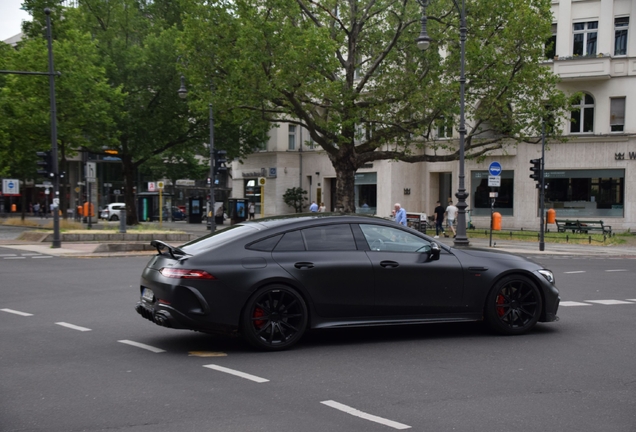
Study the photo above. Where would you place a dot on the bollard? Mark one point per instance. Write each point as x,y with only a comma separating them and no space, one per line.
122,221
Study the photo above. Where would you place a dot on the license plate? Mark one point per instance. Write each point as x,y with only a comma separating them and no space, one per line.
148,295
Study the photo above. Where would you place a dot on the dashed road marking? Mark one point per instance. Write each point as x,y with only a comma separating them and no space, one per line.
363,415
236,373
573,303
16,312
140,345
8,255
16,257
617,270
609,302
73,326
575,272
42,256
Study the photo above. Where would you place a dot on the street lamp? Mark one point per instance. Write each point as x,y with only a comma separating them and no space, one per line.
423,41
211,223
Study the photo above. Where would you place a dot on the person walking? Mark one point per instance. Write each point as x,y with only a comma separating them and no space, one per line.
251,209
322,208
36,209
313,207
451,216
439,220
400,214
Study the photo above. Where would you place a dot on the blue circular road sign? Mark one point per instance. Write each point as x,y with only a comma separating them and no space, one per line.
495,169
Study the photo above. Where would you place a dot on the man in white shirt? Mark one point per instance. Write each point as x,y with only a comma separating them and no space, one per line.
451,215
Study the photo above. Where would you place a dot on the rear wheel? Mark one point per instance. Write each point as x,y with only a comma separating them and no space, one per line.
274,318
513,305
114,218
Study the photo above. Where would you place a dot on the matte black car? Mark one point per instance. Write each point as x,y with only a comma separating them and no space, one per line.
274,278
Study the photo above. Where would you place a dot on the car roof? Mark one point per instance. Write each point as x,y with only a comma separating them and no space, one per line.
300,218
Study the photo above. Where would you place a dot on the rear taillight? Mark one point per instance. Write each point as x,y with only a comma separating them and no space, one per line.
185,273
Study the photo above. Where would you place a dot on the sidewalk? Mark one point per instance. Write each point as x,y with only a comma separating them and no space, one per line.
9,234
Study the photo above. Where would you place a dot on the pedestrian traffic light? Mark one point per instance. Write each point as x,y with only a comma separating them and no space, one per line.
536,170
45,163
220,159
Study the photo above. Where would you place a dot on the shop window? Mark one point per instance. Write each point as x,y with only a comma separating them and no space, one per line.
617,114
366,193
585,38
582,119
481,202
620,35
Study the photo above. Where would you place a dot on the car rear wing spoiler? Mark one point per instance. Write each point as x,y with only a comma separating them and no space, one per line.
174,251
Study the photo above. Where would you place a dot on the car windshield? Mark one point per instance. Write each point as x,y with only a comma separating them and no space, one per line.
217,238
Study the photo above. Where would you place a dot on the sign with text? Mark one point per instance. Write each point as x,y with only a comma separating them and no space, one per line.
10,187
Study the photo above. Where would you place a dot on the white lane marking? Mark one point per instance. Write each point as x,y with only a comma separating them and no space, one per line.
30,254
634,300
140,345
609,302
16,312
42,256
7,255
617,270
573,303
73,326
236,373
15,257
370,417
575,272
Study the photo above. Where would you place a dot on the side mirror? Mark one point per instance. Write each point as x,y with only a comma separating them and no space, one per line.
435,251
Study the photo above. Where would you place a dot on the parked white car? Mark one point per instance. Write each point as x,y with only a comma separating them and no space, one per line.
112,211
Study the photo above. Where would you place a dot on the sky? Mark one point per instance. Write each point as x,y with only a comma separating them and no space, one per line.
11,17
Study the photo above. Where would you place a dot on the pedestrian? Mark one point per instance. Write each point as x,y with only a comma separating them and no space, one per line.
451,215
400,214
251,209
313,207
36,209
322,208
439,220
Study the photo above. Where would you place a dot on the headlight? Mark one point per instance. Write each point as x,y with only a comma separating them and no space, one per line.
548,275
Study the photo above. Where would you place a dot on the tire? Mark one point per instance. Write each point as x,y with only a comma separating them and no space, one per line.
513,305
274,318
114,218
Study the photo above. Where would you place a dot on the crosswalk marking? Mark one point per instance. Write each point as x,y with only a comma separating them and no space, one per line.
16,312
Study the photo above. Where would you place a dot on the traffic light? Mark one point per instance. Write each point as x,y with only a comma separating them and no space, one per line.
536,171
45,163
220,159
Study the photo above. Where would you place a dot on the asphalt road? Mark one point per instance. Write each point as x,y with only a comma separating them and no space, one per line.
70,360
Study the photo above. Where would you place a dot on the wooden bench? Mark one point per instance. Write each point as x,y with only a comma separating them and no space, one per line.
582,226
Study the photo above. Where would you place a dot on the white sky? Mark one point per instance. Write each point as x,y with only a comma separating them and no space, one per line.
11,17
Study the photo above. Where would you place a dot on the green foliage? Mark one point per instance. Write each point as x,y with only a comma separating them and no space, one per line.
295,198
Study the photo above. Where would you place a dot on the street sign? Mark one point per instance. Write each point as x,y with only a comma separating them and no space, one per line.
160,185
262,181
494,169
91,172
116,191
10,187
56,202
46,191
152,187
494,194
185,182
494,181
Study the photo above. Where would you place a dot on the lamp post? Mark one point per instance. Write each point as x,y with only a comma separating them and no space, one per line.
423,42
211,223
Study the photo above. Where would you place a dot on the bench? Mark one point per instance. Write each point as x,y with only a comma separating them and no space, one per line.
582,226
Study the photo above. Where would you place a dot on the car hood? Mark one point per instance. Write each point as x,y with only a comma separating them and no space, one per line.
499,256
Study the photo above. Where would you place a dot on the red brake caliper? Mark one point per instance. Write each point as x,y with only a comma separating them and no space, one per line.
500,309
258,312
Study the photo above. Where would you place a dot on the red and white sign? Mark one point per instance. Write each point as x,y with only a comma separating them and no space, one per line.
152,187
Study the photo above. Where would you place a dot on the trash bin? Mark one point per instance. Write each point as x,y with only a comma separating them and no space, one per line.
551,216
496,221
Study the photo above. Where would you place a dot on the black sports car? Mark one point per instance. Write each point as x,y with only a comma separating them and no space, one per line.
274,278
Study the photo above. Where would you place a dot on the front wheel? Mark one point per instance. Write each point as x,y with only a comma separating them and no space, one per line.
114,218
274,318
513,305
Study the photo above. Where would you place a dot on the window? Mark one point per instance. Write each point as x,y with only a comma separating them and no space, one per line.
504,203
585,37
266,245
330,238
311,144
445,128
291,241
382,238
550,45
582,120
620,35
292,137
617,114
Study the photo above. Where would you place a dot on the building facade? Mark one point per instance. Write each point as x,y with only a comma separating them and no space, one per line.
591,176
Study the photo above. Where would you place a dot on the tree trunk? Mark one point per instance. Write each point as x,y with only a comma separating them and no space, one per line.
344,164
129,194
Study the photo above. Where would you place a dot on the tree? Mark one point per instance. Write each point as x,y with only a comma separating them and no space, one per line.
295,197
350,72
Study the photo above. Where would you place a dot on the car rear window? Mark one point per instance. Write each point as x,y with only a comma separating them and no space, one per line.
217,238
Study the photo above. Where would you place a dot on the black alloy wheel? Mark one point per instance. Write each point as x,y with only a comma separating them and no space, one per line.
274,318
514,305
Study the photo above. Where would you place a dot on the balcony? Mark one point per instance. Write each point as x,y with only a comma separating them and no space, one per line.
583,67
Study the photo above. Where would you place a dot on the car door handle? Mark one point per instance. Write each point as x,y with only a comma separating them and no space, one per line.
477,269
302,265
389,264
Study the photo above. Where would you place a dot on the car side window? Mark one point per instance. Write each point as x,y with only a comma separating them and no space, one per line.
329,238
291,241
265,245
383,238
